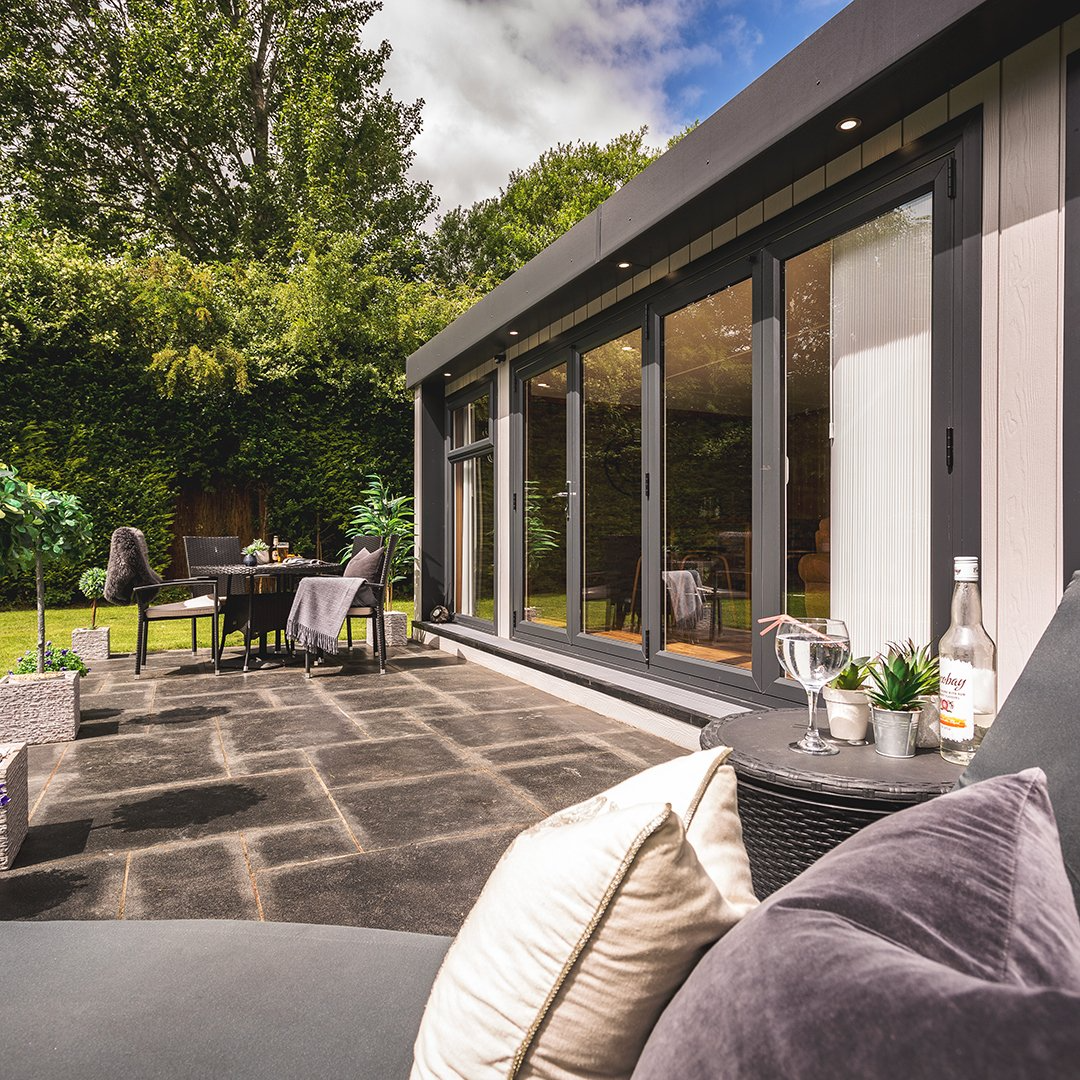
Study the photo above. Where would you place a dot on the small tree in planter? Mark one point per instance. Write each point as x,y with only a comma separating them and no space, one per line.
383,514
36,526
92,642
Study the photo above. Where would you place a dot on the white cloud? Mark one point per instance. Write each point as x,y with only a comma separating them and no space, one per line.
503,80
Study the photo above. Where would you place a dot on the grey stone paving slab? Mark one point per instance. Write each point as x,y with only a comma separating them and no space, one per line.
41,759
537,749
519,725
514,696
403,696
648,748
463,676
425,888
76,889
390,814
101,766
208,880
561,782
125,821
299,843
392,724
267,761
286,729
385,759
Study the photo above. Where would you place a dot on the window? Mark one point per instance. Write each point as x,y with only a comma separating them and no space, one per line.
472,485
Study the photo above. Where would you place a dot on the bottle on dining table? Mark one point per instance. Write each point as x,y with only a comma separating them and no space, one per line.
274,556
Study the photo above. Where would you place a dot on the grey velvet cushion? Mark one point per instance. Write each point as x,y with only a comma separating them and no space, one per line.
939,942
187,1000
1039,725
364,564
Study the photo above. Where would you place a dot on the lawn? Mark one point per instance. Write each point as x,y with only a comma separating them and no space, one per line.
18,630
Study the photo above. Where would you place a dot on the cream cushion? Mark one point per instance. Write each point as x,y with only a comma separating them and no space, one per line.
196,606
586,928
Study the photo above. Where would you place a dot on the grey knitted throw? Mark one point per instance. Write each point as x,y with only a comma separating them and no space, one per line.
318,611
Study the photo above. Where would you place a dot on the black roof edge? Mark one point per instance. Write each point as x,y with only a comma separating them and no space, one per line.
878,60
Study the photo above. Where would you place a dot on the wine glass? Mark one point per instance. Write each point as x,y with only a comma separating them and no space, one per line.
813,651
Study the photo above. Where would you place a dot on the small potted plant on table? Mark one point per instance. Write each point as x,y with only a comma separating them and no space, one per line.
39,700
91,642
847,704
255,553
901,682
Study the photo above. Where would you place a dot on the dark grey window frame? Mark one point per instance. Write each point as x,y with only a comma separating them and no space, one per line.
480,448
1070,376
947,162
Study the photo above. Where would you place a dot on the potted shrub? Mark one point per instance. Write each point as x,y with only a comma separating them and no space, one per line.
258,551
383,514
847,704
900,684
39,702
92,642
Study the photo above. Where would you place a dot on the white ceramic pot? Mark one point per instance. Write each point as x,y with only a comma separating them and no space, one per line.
263,556
895,732
849,713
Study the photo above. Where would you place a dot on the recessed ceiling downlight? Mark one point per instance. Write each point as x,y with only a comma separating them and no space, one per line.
849,123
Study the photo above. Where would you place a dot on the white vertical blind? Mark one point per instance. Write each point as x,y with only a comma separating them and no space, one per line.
880,491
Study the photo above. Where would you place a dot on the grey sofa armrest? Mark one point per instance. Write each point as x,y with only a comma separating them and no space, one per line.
187,1000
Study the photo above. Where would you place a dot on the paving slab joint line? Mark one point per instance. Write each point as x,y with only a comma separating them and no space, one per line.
327,697
123,887
45,786
221,743
251,875
333,802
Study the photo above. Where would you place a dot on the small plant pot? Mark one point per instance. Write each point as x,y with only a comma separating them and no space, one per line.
895,732
262,557
91,643
251,560
849,713
14,816
39,708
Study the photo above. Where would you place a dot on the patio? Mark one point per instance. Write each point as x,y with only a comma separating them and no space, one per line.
348,799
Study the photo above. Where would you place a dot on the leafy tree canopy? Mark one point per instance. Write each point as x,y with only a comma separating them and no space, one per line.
219,128
485,243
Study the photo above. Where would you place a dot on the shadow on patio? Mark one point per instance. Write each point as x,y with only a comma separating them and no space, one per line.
350,799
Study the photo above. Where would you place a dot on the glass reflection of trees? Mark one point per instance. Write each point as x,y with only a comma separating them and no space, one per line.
708,429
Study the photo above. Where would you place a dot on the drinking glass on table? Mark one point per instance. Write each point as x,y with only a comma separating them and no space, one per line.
813,651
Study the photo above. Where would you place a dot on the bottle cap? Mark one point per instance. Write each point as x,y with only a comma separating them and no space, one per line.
965,568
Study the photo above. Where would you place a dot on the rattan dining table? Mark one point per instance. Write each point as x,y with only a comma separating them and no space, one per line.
795,808
259,614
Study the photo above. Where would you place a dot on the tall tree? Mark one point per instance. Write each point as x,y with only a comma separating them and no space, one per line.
485,243
223,128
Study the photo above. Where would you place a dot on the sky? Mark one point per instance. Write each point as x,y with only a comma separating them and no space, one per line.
504,80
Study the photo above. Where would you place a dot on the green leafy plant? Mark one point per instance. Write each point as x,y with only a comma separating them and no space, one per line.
255,547
539,539
853,676
383,514
903,678
52,660
92,586
37,525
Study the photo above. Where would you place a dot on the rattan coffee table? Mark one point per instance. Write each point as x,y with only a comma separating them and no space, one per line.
794,809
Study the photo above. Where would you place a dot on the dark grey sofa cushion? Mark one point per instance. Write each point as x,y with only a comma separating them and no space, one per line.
1039,725
939,942
104,1001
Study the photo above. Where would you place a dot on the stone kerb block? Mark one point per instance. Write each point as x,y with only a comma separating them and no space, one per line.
14,818
39,708
91,644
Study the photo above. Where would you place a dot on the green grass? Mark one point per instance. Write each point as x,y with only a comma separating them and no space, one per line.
18,630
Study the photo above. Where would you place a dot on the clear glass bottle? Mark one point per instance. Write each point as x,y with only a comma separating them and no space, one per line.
968,669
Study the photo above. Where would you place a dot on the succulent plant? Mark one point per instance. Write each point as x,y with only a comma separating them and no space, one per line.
853,676
903,678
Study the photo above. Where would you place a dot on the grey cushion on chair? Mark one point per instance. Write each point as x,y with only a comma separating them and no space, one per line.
190,1000
129,566
1039,725
364,564
941,941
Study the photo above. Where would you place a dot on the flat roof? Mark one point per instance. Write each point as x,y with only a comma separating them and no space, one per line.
876,59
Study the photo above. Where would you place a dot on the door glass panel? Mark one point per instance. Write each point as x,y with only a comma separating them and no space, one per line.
474,537
857,349
470,422
611,496
708,490
544,408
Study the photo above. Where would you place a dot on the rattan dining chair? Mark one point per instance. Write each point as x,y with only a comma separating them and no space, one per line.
375,611
212,551
130,578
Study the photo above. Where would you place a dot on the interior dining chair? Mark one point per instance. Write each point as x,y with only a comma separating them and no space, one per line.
130,578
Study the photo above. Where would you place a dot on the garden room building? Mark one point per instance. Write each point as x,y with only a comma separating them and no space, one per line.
821,346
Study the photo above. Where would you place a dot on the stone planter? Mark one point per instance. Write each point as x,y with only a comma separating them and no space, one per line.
849,713
91,644
14,816
397,629
39,708
894,732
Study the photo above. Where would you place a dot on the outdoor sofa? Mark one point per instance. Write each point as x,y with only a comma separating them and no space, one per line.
240,1000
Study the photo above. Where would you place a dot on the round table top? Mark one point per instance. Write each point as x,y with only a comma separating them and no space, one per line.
290,566
759,741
